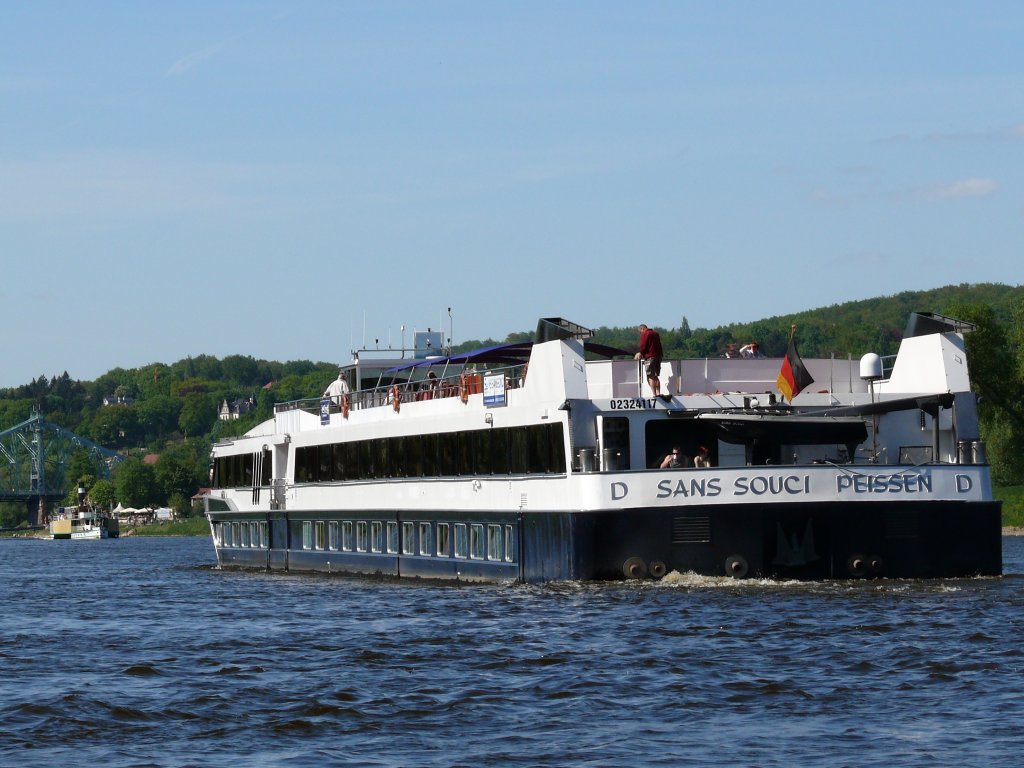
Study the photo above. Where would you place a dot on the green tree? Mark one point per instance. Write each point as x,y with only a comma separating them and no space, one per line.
82,468
135,484
103,493
175,474
181,504
198,414
993,362
158,415
116,426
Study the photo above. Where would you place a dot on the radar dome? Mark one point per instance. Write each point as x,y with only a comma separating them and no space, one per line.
871,366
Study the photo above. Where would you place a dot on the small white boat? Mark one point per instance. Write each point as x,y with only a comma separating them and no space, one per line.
83,522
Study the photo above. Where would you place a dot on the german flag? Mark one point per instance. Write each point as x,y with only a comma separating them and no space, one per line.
793,377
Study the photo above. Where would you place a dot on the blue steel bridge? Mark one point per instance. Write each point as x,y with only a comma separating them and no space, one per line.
34,457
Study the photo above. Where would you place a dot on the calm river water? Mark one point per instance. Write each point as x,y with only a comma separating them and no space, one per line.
137,652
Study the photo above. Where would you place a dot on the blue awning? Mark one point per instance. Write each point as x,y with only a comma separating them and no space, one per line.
502,354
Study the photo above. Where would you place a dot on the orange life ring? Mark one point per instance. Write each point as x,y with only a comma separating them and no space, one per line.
396,398
344,406
464,388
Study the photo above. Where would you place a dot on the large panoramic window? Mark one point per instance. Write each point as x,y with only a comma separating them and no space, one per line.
533,449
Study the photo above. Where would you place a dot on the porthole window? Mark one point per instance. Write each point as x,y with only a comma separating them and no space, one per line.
408,539
476,541
376,536
461,540
392,537
509,544
494,542
443,540
425,539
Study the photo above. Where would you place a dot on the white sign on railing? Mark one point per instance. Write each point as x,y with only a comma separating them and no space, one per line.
494,390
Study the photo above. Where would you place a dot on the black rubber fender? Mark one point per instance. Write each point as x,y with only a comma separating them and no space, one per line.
736,566
634,568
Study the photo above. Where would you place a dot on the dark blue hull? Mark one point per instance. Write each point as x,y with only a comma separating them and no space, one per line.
810,541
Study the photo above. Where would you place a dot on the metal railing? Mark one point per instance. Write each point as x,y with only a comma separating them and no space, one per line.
462,384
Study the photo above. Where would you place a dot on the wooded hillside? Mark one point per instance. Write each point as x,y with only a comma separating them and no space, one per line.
171,409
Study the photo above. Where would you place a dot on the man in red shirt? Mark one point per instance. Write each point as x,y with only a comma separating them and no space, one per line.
650,350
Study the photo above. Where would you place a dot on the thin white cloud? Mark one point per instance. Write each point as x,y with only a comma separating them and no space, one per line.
184,64
962,189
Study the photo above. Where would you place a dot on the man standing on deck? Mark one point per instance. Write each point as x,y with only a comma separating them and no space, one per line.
337,388
650,351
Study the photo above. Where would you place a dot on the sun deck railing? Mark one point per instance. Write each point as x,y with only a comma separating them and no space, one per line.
463,384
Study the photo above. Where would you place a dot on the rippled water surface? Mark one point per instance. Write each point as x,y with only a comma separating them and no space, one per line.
136,652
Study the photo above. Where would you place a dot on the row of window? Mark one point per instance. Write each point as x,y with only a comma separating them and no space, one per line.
474,541
534,449
251,533
239,470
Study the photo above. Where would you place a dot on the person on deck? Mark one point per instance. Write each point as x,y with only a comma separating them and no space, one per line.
702,459
753,349
337,389
650,351
674,460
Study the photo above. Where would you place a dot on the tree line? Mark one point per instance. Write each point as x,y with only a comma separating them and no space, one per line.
171,411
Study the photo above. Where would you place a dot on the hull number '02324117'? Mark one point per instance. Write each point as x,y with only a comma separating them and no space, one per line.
632,403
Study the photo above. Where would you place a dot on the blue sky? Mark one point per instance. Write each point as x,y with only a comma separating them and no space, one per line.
287,179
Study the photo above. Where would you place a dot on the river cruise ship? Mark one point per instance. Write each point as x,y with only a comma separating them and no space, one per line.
544,460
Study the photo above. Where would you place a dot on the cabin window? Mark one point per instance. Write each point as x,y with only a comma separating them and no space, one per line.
245,535
254,531
461,540
535,449
332,535
392,537
494,542
425,539
430,466
325,463
476,541
361,538
509,544
466,455
305,464
376,536
236,533
411,457
448,454
381,458
338,461
408,539
518,451
321,542
346,536
307,534
225,533
443,540
499,451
